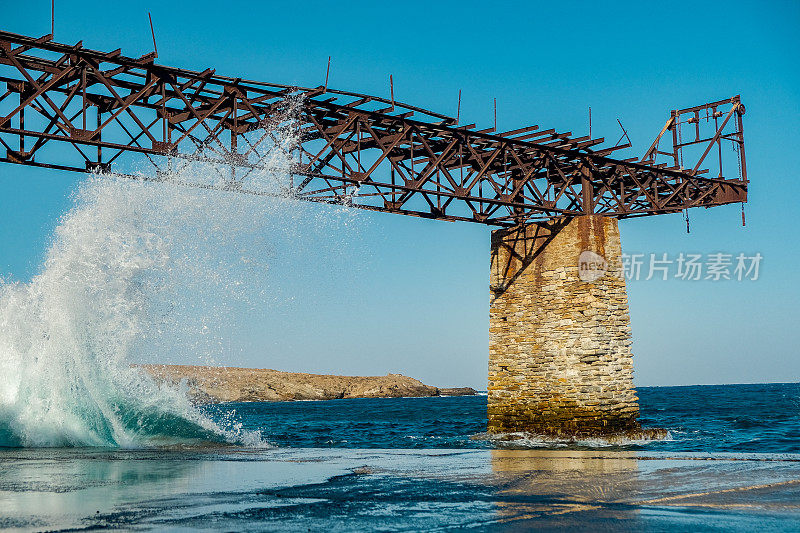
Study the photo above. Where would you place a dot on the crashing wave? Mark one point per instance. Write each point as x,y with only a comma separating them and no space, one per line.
136,271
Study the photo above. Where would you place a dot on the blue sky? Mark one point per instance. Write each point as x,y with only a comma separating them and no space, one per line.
419,302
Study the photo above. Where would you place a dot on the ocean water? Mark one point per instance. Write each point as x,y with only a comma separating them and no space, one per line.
731,463
761,418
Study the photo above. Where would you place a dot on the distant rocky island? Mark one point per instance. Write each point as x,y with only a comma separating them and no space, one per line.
210,384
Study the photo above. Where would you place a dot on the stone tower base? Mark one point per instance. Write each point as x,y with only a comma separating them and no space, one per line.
560,361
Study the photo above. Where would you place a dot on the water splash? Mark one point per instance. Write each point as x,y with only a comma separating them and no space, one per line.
524,440
137,271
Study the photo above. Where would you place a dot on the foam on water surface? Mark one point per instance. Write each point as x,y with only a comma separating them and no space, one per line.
67,336
137,271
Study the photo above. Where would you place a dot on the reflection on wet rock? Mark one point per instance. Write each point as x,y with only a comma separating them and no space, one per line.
547,485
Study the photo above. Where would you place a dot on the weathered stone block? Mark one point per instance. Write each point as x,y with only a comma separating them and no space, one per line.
559,350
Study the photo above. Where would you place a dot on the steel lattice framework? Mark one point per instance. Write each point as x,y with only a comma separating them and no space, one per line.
365,151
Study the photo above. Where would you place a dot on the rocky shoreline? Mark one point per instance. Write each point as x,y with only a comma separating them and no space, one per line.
209,384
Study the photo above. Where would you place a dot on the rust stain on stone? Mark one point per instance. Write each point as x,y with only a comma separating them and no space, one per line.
559,351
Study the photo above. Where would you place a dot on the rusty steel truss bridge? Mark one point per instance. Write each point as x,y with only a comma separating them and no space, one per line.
365,151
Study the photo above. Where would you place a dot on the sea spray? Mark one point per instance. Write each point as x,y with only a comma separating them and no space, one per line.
67,336
138,271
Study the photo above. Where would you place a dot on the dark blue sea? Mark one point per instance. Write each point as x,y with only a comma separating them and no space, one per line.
718,418
731,463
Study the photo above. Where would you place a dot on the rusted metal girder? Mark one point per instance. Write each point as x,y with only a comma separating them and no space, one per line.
724,130
365,151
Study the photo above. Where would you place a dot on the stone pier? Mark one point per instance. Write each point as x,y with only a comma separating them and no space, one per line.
560,359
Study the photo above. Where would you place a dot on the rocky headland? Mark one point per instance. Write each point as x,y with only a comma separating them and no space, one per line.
209,384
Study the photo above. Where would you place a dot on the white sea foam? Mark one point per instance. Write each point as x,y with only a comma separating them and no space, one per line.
137,271
524,440
67,336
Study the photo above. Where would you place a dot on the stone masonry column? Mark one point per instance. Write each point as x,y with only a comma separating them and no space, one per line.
560,359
